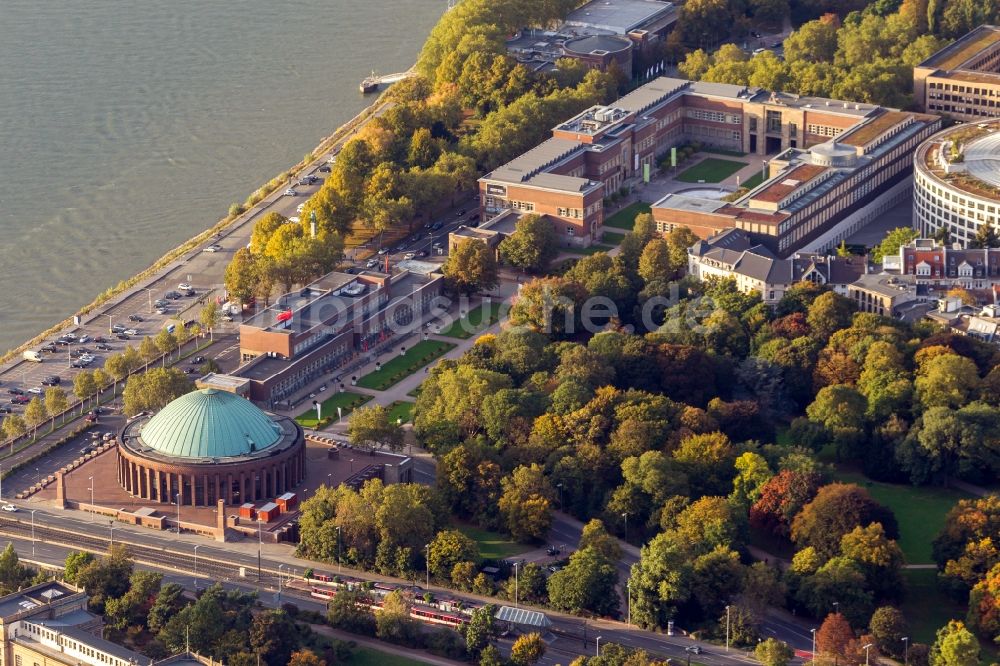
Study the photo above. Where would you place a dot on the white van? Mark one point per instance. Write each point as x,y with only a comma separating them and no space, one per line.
32,356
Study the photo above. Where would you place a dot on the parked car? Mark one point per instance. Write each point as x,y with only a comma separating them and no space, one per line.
131,331
69,336
172,295
90,418
290,192
20,400
13,390
104,347
36,390
214,247
122,336
325,169
118,328
63,342
100,339
4,409
371,263
197,360
49,348
159,303
10,508
52,380
84,339
436,226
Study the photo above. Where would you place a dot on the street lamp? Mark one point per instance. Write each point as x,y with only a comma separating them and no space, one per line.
625,516
598,640
338,549
197,546
813,632
91,489
178,499
836,606
515,583
727,628
33,531
865,648
560,487
329,480
260,541
628,588
427,565
279,580
109,323
906,650
111,526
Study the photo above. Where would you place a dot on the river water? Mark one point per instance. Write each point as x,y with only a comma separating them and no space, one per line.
128,126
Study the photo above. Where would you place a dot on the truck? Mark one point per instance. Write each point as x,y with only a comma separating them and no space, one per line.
230,308
32,356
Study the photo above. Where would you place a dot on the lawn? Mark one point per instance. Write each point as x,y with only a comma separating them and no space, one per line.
347,400
753,181
710,170
612,238
401,409
401,367
722,151
493,545
927,608
472,323
364,656
625,218
593,249
920,512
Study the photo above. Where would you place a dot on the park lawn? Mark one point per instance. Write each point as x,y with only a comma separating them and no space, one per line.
593,249
365,656
472,323
401,409
347,400
400,367
710,170
753,181
926,606
493,545
920,512
625,218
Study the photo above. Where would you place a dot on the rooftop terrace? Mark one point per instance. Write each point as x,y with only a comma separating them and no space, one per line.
964,49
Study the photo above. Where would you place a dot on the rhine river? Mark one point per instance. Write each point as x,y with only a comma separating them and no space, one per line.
128,126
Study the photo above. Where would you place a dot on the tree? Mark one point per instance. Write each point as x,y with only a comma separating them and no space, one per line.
526,503
35,414
836,510
829,313
948,380
654,262
962,549
55,401
781,499
13,574
392,620
955,646
530,585
834,636
449,548
84,386
888,628
984,605
75,562
347,611
893,240
209,317
148,350
752,473
14,426
814,41
549,305
471,267
481,630
772,652
132,608
242,277
587,583
165,343
370,428
527,650
532,245
879,558
153,390
595,536
305,657
273,637
169,600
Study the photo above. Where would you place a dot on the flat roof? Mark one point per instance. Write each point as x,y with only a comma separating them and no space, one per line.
981,158
974,77
528,164
98,643
618,16
33,597
689,203
649,95
785,184
964,49
221,381
865,133
300,299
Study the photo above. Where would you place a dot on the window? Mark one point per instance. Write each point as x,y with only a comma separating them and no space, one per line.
823,130
713,116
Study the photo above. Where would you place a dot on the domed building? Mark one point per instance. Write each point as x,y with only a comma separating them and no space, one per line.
209,445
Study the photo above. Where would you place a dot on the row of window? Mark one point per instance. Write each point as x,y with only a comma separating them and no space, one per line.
714,116
823,130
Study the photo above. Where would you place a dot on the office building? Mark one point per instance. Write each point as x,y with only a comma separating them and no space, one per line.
962,80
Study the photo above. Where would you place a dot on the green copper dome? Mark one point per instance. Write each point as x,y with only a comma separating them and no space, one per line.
210,424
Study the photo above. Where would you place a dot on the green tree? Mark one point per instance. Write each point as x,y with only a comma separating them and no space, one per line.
241,277
471,267
392,620
888,628
836,510
948,380
209,317
814,41
13,574
347,611
56,401
35,414
772,652
273,637
829,313
654,263
133,607
84,386
893,240
165,342
527,650
955,646
481,630
169,600
153,390
752,472
526,503
532,245
370,428
587,583
549,305
14,426
449,548
76,561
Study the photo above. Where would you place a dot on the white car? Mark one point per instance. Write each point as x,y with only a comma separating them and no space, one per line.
84,339
9,507
290,192
184,286
35,390
298,209
214,247
332,159
131,331
294,219
409,255
371,263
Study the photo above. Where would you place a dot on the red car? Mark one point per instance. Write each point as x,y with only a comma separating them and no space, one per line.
20,400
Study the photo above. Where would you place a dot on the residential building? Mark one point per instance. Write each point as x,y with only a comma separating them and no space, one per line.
732,254
52,602
962,80
942,267
957,182
884,295
325,325
817,190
